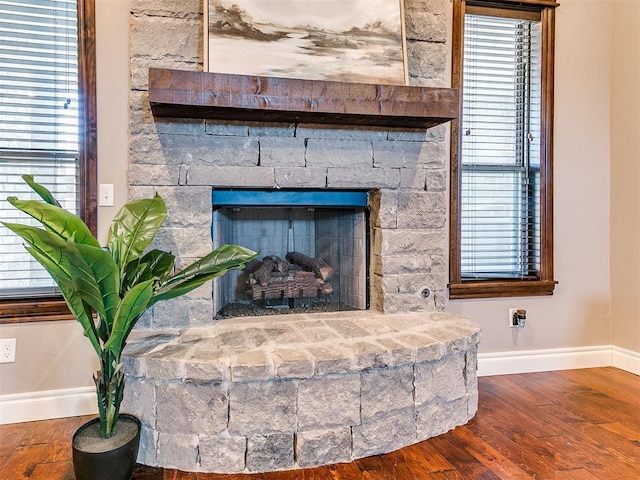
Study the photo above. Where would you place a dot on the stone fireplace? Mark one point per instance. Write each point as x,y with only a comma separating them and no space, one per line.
250,394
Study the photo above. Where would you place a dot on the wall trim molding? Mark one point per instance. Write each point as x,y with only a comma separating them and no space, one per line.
627,360
529,361
71,402
31,406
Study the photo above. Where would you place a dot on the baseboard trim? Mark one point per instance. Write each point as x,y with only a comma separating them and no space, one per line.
626,360
31,406
529,361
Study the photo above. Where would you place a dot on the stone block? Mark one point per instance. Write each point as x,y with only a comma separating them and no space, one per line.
411,241
139,400
292,363
471,369
270,452
408,302
147,453
191,408
222,454
369,178
165,8
438,7
205,365
422,210
323,447
385,391
332,359
401,154
192,242
251,365
331,132
301,177
426,60
409,264
399,354
178,451
356,154
384,435
416,283
162,37
154,174
282,152
425,348
327,402
443,380
385,205
145,149
182,313
437,181
176,198
433,134
167,362
438,418
231,176
212,150
229,128
413,178
266,129
261,408
369,355
424,25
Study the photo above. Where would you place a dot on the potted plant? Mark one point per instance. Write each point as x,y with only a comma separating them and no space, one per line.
107,290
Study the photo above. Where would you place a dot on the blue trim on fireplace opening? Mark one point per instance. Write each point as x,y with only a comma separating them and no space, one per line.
289,198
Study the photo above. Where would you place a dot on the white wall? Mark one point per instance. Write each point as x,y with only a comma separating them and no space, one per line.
625,175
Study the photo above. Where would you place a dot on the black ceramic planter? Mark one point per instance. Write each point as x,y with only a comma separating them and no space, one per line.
95,458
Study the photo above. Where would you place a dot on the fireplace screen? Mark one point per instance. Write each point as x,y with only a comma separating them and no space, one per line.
313,251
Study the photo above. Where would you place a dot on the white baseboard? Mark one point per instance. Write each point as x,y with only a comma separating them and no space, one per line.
503,363
30,406
626,360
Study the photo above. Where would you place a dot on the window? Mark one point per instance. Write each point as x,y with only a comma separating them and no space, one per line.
501,182
47,129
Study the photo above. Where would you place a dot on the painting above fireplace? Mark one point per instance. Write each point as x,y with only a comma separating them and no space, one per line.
313,245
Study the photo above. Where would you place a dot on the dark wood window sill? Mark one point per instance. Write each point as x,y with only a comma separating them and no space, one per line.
34,310
503,288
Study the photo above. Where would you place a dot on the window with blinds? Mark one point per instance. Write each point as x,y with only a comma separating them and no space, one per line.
500,148
39,123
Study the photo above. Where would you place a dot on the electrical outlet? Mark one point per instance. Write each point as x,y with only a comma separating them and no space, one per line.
517,317
7,350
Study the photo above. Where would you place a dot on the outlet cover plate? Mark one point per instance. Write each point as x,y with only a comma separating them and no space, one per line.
7,350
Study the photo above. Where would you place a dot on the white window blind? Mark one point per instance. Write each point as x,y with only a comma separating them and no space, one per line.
500,201
38,123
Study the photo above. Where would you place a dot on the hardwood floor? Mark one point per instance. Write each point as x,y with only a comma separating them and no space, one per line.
566,425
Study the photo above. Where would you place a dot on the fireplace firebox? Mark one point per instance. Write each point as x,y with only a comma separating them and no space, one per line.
313,251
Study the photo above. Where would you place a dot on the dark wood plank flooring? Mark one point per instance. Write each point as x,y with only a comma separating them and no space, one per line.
565,425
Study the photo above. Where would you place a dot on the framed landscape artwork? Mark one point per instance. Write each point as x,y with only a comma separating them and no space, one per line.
359,41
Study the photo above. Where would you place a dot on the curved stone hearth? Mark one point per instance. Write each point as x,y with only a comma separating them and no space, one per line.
296,391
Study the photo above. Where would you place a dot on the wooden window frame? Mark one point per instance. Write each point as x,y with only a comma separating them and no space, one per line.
545,283
38,309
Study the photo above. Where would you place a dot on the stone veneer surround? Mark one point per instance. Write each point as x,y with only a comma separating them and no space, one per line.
402,372
183,159
295,391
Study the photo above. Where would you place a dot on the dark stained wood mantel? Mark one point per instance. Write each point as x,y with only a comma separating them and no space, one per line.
191,94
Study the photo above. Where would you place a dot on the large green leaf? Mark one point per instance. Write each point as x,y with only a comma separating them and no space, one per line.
104,272
51,252
40,190
154,264
218,262
134,227
56,220
134,303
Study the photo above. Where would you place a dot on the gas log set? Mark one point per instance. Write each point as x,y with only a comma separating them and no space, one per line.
297,276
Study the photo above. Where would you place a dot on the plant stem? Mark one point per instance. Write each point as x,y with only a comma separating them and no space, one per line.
109,390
